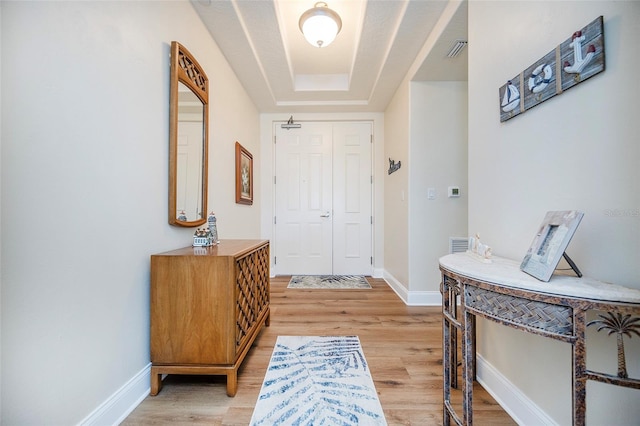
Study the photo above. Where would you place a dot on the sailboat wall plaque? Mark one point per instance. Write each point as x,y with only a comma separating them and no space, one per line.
510,100
570,63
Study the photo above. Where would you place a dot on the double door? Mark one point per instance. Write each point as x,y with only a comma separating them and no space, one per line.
323,199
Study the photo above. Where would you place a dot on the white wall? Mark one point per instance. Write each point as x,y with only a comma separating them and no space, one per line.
578,151
85,104
267,163
438,152
425,126
396,187
425,129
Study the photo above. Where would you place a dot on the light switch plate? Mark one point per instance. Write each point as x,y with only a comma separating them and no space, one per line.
454,191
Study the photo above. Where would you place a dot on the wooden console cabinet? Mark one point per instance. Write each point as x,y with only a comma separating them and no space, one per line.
208,304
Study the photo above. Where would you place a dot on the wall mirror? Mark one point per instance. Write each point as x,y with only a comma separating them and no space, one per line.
188,139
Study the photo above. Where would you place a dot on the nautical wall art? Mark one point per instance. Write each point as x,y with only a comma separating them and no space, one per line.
511,103
573,61
393,166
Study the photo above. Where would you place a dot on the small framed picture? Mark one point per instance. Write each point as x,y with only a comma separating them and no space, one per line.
550,242
244,175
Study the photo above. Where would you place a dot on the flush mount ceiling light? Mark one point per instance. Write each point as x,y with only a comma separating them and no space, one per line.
320,25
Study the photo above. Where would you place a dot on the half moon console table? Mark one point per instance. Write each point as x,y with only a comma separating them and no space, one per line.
499,291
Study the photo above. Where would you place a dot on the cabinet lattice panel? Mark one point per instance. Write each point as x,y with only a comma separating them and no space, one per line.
262,279
253,290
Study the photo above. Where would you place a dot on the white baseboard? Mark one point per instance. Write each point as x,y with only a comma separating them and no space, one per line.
511,399
119,405
413,298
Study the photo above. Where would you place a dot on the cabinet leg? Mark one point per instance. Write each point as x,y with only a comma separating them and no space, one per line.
156,382
232,383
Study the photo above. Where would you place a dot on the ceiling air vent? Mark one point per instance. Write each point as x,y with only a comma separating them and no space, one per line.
458,244
457,48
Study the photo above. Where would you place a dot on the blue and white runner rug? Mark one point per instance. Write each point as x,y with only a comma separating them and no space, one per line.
318,380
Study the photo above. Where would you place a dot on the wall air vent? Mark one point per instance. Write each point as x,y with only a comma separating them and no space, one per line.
458,244
457,48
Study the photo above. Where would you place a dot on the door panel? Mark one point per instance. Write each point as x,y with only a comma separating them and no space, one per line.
188,198
352,196
303,196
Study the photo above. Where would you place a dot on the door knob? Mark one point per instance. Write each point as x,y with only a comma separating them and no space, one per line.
325,215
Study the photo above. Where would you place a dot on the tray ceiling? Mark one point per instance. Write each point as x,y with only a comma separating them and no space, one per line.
381,42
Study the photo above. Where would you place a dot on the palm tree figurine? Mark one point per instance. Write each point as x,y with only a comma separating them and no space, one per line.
622,325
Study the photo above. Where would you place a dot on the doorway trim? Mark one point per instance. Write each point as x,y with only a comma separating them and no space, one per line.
266,164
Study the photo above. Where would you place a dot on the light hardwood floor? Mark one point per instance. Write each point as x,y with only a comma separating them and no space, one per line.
402,344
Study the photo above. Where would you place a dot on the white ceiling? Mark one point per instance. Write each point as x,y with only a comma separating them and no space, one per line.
380,43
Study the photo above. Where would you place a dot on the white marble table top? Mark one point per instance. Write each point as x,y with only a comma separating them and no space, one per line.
507,273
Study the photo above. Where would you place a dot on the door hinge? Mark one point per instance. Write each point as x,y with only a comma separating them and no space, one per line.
275,260
372,179
371,138
372,260
274,180
372,220
275,222
274,139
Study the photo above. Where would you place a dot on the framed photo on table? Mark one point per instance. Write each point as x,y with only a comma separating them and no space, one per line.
244,175
550,242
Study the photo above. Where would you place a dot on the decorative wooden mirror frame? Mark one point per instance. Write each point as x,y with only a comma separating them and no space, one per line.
188,154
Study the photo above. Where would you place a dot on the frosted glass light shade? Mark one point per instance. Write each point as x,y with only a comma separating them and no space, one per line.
320,25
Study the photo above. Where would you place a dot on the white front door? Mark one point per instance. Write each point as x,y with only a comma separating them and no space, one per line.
323,220
304,200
